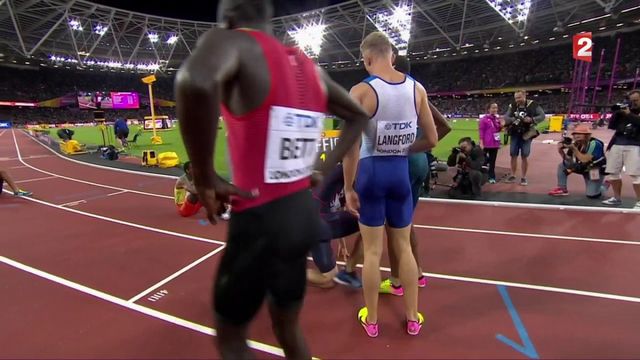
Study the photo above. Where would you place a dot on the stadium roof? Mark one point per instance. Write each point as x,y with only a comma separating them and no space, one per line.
85,34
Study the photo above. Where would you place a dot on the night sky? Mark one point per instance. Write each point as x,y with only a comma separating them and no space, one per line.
203,10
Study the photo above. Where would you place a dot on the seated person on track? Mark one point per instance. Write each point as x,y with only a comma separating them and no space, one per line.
4,176
185,194
121,129
336,223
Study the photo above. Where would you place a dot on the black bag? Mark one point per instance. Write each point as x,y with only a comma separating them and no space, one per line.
109,153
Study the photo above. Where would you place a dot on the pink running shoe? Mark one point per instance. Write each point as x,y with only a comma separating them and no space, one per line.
370,329
422,281
413,326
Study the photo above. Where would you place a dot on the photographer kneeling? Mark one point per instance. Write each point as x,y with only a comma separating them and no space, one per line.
469,159
582,155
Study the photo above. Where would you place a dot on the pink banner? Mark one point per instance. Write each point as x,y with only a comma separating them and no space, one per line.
588,117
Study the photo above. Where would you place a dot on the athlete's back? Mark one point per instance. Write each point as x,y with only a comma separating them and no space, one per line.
273,146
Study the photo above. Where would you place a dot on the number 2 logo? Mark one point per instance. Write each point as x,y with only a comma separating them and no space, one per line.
582,46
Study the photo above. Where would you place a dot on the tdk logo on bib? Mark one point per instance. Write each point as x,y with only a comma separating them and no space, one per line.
398,126
300,121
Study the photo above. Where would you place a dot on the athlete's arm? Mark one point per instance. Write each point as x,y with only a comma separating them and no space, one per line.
198,88
442,126
354,117
429,138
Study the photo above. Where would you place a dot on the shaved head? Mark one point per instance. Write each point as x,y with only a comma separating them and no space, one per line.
238,13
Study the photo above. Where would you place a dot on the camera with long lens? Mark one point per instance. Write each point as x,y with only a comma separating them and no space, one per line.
567,141
456,150
619,106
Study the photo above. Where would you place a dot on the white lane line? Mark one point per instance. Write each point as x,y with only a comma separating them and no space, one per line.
544,236
176,274
521,285
118,193
434,275
74,203
270,349
122,222
82,181
36,179
529,205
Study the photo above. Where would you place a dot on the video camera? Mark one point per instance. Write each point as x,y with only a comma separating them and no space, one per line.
619,106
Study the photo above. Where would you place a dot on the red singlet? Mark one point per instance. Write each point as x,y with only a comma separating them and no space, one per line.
273,148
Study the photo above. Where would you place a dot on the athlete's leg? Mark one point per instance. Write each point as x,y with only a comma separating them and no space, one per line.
399,212
290,242
240,284
372,219
407,269
372,240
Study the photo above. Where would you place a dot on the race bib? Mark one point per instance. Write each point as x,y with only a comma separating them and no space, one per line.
393,138
594,174
496,136
292,140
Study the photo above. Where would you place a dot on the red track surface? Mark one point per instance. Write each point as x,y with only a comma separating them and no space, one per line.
109,262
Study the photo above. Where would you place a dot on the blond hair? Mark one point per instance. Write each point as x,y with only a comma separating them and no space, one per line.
376,42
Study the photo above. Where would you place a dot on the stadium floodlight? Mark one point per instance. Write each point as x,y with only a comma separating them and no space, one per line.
513,11
309,37
75,24
153,37
396,24
172,39
100,29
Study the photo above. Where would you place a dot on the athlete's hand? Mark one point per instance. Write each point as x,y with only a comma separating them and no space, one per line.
213,196
316,178
528,119
352,202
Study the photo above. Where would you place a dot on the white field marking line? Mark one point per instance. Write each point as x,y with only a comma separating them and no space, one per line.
74,203
520,285
175,275
36,179
2,133
18,167
118,193
441,276
101,166
531,206
83,181
121,222
270,349
544,236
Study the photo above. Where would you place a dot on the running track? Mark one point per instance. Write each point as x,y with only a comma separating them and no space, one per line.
81,261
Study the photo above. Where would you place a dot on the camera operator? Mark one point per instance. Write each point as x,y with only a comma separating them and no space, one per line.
521,120
469,159
624,148
582,155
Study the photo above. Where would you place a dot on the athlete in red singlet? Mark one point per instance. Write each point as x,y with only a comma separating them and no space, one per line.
274,100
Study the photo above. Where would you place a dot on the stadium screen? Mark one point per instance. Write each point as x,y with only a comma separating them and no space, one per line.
5,124
112,100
